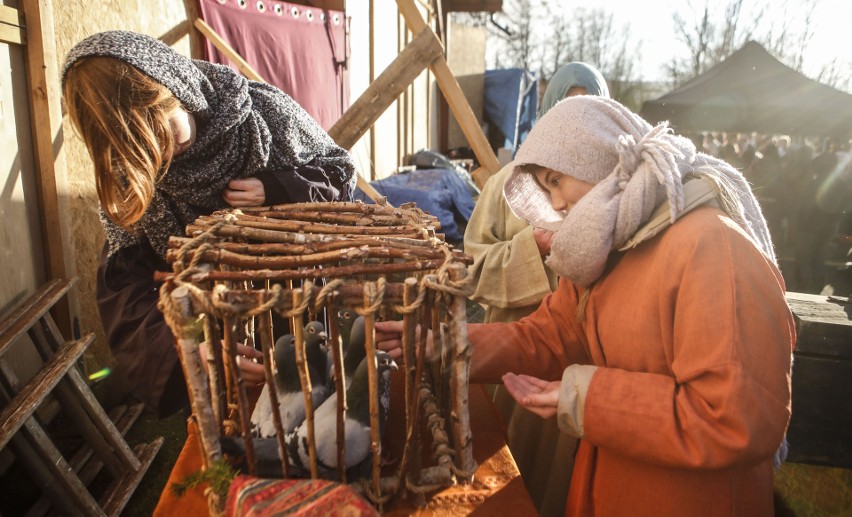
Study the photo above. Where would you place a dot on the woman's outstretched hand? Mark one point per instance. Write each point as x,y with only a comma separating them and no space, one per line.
536,395
244,192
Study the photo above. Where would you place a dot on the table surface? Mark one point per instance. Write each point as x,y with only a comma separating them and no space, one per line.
497,487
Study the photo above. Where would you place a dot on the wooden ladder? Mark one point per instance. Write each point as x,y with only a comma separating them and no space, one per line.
63,483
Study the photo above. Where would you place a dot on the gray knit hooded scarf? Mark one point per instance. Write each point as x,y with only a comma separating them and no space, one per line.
243,127
633,166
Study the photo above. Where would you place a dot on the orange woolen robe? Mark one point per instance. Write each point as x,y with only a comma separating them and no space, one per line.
694,339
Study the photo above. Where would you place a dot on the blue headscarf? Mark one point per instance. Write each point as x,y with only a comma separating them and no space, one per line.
569,76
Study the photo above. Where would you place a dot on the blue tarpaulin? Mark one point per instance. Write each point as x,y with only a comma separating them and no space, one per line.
511,102
440,192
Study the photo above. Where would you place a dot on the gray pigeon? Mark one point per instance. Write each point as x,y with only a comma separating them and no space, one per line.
315,338
353,351
291,402
356,423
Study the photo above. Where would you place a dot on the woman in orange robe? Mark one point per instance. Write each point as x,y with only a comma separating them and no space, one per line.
667,346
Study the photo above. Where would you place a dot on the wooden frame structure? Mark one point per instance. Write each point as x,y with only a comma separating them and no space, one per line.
424,50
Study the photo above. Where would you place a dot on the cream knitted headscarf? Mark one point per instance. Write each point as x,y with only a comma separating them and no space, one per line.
635,167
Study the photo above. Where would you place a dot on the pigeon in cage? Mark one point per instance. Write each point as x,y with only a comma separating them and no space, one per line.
345,320
352,333
315,351
356,423
291,402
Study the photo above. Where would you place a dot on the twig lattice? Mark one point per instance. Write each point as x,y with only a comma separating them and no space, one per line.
239,268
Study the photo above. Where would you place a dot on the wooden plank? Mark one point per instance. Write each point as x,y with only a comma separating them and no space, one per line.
12,34
473,6
124,417
46,121
455,97
252,74
26,401
117,496
480,176
11,16
364,112
30,310
823,326
81,395
223,47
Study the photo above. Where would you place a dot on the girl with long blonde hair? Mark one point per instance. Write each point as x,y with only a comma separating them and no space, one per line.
172,139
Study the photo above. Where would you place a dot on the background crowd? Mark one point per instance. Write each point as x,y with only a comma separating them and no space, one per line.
805,190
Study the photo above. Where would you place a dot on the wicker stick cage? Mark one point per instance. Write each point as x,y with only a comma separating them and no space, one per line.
300,261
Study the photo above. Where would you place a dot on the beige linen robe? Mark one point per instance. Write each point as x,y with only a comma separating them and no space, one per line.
511,280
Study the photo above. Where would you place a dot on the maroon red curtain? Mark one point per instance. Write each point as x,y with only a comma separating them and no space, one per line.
302,50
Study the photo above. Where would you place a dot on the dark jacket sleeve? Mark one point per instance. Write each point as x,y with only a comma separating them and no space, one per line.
141,342
305,184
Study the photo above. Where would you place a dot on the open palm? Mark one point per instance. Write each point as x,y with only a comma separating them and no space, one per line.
536,395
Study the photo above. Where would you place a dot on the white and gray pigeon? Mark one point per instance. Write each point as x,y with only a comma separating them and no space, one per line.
291,402
356,423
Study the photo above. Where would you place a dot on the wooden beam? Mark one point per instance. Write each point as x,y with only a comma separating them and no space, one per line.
473,6
48,139
11,16
364,112
455,97
12,34
223,47
252,74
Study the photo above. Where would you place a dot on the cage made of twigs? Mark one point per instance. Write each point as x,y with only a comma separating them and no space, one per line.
239,268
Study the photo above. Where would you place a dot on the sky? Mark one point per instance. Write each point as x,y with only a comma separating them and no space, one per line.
651,21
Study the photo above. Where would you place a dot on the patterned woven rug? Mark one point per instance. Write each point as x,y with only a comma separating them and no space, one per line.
251,496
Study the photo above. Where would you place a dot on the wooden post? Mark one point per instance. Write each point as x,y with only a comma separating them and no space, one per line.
364,112
455,98
459,381
373,378
232,325
196,379
48,139
223,47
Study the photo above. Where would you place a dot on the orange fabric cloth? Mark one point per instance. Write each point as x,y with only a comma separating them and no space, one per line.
193,502
694,339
